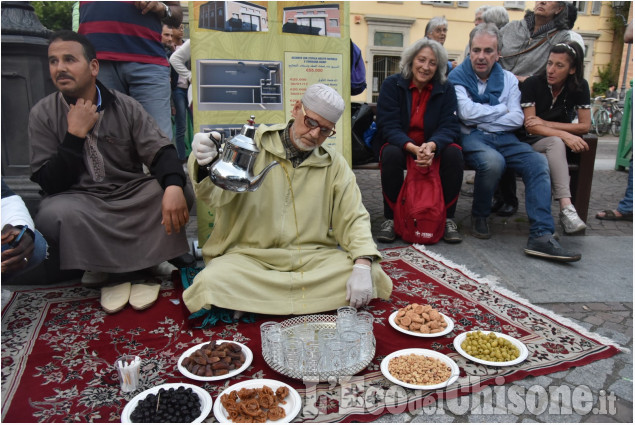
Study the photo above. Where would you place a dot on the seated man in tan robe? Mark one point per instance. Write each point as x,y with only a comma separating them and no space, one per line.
299,244
101,212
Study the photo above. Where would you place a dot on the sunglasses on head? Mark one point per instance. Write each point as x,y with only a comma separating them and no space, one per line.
311,123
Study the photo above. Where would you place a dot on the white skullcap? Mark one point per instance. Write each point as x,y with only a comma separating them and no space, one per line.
324,101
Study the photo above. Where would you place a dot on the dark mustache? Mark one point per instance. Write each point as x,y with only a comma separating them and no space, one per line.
64,75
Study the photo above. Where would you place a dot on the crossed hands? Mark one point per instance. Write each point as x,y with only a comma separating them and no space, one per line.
424,154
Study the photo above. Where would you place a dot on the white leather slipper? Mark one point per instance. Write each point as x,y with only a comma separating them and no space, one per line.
143,295
114,298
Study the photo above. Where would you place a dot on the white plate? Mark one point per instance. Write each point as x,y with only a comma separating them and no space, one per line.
521,347
445,331
292,407
454,373
248,359
206,401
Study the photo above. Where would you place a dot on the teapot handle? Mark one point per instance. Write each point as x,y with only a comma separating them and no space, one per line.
218,138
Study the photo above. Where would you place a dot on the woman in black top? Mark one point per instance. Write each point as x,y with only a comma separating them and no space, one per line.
550,102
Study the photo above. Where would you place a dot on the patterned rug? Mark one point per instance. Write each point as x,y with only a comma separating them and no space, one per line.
58,347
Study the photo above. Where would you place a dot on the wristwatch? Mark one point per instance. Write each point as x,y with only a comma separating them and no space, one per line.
168,12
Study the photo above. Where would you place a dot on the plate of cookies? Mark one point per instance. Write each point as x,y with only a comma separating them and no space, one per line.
421,320
258,400
215,360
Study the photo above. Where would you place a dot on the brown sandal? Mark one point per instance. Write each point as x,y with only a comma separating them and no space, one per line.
609,215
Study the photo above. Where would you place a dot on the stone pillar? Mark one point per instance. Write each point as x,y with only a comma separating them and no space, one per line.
25,80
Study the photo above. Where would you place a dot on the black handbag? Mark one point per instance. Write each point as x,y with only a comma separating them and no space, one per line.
362,117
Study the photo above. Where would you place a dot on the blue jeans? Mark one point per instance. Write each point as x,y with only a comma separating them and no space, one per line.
147,83
489,154
39,254
179,97
626,204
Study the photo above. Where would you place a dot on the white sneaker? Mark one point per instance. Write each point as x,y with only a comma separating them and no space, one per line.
571,222
163,269
94,278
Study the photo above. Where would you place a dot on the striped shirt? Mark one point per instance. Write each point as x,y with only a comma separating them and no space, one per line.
119,32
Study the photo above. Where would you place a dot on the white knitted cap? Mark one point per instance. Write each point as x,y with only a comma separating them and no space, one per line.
324,101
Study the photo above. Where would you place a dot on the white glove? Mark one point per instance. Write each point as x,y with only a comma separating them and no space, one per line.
359,287
204,148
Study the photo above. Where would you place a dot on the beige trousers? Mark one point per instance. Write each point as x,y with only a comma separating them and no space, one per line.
555,150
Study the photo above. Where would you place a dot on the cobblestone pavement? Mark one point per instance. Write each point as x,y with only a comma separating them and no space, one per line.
607,189
610,381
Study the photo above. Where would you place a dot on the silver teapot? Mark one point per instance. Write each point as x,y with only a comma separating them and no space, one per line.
234,168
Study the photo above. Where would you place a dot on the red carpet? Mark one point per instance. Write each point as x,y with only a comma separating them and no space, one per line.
58,347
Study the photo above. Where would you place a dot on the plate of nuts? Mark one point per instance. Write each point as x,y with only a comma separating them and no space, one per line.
490,348
420,369
215,360
421,320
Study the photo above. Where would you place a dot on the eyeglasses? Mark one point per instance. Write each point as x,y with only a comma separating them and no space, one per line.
311,123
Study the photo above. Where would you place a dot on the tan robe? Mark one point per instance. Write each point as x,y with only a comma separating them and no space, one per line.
259,261
113,225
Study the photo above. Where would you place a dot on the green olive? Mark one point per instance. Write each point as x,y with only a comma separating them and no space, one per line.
489,347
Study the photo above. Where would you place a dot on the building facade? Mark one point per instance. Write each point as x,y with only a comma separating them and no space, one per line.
233,16
382,29
312,19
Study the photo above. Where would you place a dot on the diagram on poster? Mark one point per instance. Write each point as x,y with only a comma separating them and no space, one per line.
239,85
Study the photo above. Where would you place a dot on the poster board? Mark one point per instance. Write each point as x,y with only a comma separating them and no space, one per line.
257,58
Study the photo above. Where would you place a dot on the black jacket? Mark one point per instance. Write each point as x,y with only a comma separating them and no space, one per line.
394,105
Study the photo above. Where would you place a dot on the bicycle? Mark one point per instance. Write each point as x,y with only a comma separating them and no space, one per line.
601,118
617,112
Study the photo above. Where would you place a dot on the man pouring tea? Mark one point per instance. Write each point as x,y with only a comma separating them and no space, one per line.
301,243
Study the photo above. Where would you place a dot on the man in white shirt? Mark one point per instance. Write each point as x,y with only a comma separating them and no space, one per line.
23,247
489,110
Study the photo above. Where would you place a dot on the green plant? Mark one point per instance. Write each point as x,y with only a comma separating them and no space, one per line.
54,15
606,80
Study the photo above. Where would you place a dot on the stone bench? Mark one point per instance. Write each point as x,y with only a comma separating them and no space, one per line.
580,169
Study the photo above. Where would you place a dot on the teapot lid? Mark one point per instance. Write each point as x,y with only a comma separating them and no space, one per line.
245,139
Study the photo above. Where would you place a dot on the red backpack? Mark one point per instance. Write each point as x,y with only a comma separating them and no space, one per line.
420,207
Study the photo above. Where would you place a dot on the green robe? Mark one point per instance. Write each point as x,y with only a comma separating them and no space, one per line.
278,251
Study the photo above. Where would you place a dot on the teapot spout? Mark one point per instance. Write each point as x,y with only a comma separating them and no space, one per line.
256,181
